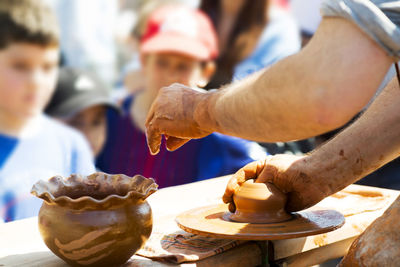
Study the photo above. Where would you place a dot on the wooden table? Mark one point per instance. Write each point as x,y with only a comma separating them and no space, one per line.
21,244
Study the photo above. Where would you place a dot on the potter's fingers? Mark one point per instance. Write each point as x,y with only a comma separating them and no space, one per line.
153,137
227,197
232,207
150,115
250,171
174,143
149,119
247,172
230,190
266,171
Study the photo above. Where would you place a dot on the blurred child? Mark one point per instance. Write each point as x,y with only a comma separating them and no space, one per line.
178,46
32,146
81,100
133,78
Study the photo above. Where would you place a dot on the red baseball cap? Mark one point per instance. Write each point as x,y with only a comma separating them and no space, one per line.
180,29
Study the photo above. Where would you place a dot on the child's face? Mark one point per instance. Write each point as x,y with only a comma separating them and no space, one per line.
163,69
92,123
28,75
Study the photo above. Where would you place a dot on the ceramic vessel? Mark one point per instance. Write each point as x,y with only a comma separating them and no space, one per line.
259,203
96,220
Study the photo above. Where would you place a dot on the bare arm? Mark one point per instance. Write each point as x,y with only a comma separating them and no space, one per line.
370,142
314,91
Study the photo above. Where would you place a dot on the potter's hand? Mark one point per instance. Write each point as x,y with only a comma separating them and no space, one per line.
288,173
176,113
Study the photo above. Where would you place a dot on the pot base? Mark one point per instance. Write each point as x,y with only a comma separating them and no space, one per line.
251,217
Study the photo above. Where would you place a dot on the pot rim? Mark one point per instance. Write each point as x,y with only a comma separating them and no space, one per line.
136,187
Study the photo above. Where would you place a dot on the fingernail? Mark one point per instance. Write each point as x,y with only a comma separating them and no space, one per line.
154,152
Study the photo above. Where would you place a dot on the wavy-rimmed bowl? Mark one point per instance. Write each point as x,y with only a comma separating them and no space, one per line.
95,220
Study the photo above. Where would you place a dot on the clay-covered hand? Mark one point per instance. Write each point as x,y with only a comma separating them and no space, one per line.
288,173
176,113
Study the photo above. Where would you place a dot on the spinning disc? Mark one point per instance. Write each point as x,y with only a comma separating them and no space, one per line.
213,221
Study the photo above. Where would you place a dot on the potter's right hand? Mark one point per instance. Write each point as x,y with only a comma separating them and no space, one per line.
288,173
180,114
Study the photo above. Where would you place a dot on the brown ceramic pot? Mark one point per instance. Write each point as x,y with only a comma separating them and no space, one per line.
259,203
96,220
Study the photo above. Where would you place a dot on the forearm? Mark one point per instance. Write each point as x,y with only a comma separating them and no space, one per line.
314,91
366,145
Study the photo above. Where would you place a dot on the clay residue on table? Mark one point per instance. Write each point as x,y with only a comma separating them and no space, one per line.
350,202
320,240
361,193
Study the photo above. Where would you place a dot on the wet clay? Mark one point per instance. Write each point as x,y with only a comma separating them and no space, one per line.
96,220
259,203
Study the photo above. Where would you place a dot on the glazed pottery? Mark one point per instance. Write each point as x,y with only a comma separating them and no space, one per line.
96,220
259,203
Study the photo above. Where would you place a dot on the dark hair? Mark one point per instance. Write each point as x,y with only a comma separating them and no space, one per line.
27,21
249,25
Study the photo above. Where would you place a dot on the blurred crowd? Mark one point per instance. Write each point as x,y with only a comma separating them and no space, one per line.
74,97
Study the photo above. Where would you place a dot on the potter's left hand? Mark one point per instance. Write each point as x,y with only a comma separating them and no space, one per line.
177,113
288,173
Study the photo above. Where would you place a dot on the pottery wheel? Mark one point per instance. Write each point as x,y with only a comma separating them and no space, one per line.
213,221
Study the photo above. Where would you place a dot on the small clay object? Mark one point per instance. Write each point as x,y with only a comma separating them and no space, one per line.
259,203
96,220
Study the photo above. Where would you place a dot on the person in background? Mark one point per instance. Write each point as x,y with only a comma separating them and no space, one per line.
132,72
252,34
312,92
307,16
81,100
32,145
178,45
87,38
